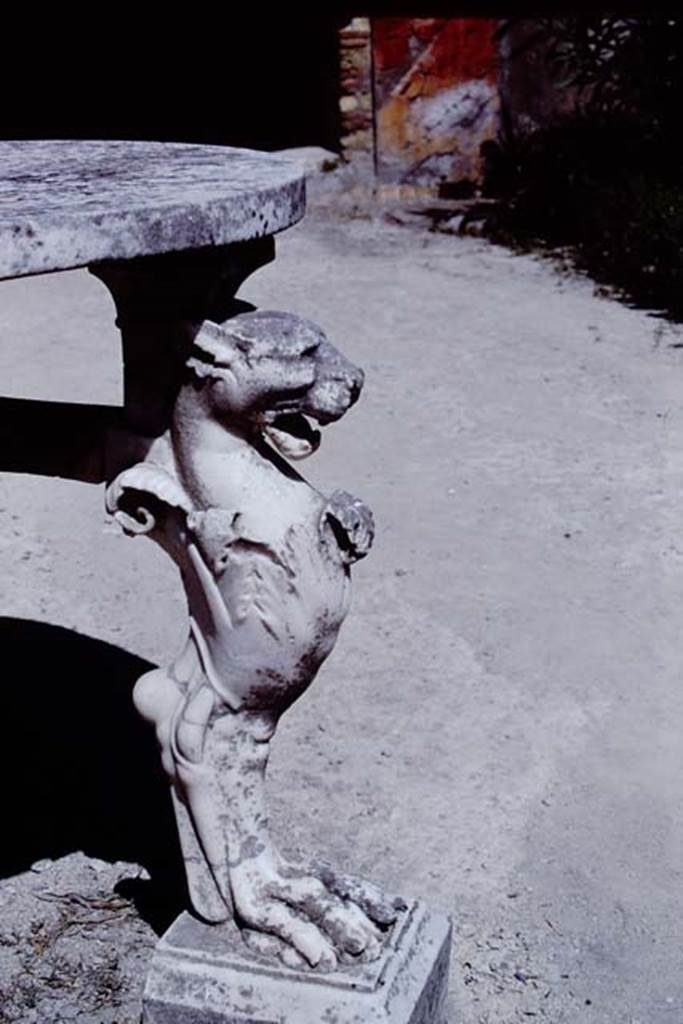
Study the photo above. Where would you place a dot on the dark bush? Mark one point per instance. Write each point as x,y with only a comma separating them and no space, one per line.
606,180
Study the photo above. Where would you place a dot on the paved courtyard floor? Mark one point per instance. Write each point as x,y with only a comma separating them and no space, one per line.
500,728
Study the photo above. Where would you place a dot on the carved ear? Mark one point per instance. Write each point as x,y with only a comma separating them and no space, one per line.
212,339
131,496
212,351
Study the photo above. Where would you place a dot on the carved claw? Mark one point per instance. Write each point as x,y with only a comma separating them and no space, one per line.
352,523
305,914
273,948
369,897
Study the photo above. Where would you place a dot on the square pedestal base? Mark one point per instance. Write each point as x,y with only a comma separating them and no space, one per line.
203,974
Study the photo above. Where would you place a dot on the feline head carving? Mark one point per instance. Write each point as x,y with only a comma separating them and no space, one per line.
275,372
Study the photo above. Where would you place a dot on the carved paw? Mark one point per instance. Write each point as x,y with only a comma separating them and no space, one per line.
317,919
352,524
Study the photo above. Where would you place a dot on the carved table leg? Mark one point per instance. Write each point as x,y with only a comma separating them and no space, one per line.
218,399
161,301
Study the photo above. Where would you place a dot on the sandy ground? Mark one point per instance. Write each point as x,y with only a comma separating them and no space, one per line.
499,728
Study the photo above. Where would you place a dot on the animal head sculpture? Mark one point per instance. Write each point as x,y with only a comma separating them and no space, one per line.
272,373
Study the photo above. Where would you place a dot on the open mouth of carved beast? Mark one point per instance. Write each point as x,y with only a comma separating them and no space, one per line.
291,434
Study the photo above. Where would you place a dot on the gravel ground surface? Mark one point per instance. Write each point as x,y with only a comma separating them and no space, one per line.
499,728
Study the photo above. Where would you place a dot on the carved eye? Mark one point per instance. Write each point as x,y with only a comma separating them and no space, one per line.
309,352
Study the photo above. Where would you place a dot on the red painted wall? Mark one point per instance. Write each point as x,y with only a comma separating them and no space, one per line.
435,97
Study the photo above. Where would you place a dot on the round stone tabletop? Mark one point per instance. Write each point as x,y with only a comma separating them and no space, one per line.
66,204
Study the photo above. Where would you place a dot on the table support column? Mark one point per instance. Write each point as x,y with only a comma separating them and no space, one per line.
218,398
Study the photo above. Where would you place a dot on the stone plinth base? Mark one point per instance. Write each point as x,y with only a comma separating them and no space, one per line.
206,975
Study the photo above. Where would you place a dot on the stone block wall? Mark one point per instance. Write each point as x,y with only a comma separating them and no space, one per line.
356,102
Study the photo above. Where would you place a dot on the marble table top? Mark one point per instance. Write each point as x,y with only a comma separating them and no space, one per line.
66,204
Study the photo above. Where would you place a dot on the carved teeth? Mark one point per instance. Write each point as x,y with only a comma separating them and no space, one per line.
289,446
292,435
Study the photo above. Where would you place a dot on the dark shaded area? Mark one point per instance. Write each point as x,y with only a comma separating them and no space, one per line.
603,180
81,769
260,80
619,215
55,438
256,78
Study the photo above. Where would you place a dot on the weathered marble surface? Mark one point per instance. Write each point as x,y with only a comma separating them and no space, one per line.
69,203
200,973
265,560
